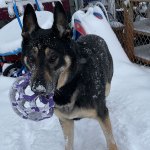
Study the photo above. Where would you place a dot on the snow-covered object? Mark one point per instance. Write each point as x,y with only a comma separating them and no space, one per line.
148,11
101,5
139,18
11,10
2,4
20,9
142,7
41,5
112,7
126,2
12,41
116,24
100,27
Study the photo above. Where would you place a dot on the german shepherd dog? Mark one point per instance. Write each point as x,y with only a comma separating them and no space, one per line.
78,72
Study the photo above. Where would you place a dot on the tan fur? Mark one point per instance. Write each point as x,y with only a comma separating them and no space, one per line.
107,130
76,113
68,108
47,51
68,130
64,73
35,49
25,61
47,76
107,89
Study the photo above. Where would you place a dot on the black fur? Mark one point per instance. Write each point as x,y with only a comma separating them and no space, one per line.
91,63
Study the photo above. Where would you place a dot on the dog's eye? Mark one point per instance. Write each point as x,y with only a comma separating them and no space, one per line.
31,59
53,58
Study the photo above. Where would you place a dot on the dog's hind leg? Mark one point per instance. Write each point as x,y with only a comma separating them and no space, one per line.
107,130
68,130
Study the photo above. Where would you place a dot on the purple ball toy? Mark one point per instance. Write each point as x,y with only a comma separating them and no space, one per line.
34,107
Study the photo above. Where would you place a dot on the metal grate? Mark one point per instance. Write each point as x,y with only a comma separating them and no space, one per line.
130,20
133,29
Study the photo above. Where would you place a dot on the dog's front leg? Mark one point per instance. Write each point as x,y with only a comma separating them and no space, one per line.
68,130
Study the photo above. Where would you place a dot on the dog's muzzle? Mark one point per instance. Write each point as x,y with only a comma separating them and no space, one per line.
38,87
43,88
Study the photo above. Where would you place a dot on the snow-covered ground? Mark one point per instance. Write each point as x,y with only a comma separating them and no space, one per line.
128,103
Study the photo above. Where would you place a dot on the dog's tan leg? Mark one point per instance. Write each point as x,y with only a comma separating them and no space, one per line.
107,130
68,130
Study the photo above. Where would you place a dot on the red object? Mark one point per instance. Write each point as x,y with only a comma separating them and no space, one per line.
79,27
9,59
12,58
4,14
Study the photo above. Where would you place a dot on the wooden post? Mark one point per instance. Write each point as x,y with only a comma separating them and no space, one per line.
129,32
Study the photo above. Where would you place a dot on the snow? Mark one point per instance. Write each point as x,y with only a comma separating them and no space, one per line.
116,24
143,51
142,25
2,4
126,2
128,103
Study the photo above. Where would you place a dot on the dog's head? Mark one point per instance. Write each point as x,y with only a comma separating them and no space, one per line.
46,52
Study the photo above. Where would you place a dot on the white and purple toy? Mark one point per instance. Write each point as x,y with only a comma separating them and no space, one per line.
27,106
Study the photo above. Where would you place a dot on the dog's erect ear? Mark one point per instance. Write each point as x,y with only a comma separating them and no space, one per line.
30,23
60,20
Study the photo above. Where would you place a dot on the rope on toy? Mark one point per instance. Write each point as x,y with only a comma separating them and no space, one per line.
31,111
